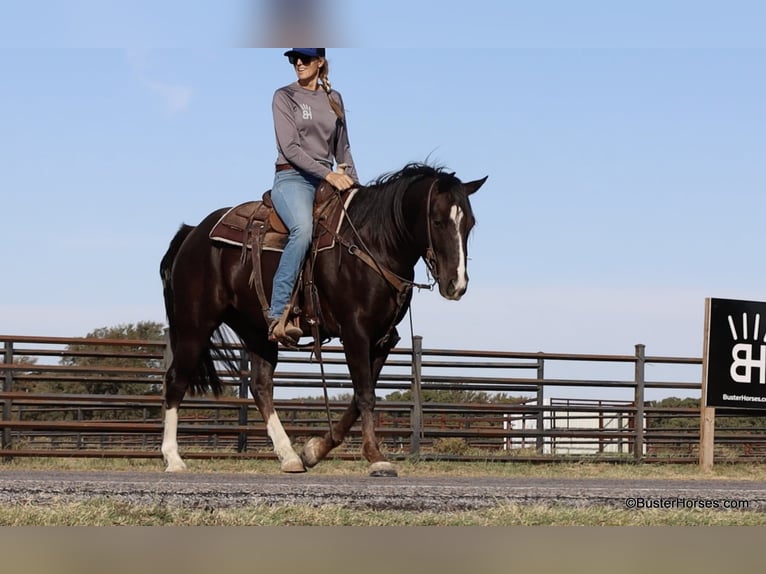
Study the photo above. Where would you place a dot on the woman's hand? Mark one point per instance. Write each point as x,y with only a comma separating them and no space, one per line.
339,180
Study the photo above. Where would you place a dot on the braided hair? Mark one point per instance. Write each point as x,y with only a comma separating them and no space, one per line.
324,81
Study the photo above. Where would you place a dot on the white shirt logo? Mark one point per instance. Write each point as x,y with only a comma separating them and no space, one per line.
306,111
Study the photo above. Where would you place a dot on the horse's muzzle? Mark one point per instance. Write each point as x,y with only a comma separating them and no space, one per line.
453,290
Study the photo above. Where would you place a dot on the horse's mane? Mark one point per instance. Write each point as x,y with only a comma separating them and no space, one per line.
377,207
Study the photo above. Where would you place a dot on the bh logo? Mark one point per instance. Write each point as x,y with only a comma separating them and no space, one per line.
742,354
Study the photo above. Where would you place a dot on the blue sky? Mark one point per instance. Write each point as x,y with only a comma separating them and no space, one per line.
624,148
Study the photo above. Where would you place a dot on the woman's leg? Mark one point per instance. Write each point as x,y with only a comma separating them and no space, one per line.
293,198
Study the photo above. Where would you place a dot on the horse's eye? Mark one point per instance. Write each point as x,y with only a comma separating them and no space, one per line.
437,222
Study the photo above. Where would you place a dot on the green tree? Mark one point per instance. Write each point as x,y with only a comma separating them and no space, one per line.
24,386
457,396
691,421
108,369
122,364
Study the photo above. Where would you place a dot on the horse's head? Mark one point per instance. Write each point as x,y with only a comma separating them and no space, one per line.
449,220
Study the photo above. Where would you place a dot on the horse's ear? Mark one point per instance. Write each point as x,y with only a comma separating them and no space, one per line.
473,186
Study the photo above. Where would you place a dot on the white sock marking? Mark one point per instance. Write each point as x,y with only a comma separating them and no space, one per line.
282,445
170,442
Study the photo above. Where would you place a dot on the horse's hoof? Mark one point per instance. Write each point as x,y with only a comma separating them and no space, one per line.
176,467
383,468
292,465
310,454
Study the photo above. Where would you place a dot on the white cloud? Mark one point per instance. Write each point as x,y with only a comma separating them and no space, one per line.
176,98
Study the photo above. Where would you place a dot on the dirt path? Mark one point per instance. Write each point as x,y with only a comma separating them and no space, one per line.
194,490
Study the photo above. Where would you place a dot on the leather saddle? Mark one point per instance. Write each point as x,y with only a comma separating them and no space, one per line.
255,226
239,225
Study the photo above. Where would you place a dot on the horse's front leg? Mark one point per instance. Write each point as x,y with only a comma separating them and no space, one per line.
365,364
317,448
379,466
365,400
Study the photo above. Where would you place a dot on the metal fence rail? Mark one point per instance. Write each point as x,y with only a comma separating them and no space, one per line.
48,409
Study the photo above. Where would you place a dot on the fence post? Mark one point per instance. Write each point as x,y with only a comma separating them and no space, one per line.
80,418
540,419
638,424
7,388
416,414
244,367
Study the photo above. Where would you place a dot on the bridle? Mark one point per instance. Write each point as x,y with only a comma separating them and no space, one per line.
430,256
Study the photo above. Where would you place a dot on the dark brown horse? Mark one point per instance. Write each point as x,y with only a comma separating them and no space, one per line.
419,211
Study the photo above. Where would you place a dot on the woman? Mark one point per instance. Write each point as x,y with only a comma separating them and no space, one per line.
310,126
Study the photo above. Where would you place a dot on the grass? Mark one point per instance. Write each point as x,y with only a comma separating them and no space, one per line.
103,512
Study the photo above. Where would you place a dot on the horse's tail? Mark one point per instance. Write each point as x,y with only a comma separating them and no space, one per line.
166,267
205,377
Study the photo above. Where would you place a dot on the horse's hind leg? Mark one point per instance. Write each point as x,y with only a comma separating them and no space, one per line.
174,392
262,387
177,379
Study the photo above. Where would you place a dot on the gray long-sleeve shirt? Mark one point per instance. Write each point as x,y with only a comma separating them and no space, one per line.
309,134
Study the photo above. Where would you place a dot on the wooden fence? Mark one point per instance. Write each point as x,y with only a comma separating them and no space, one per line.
67,397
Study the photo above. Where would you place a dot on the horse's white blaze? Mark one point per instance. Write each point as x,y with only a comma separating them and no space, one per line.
461,282
279,438
170,442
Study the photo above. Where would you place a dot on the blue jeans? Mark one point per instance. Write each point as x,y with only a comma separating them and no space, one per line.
293,198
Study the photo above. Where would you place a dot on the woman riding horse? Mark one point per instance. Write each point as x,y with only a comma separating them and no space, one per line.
311,133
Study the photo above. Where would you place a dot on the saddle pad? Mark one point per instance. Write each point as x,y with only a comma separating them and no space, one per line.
232,227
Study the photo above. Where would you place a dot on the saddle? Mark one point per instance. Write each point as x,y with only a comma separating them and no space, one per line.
255,226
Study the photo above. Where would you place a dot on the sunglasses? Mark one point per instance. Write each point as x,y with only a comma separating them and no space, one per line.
305,59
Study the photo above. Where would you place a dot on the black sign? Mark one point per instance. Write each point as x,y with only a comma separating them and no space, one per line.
736,354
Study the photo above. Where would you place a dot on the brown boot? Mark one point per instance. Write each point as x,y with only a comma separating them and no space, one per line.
286,333
293,329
